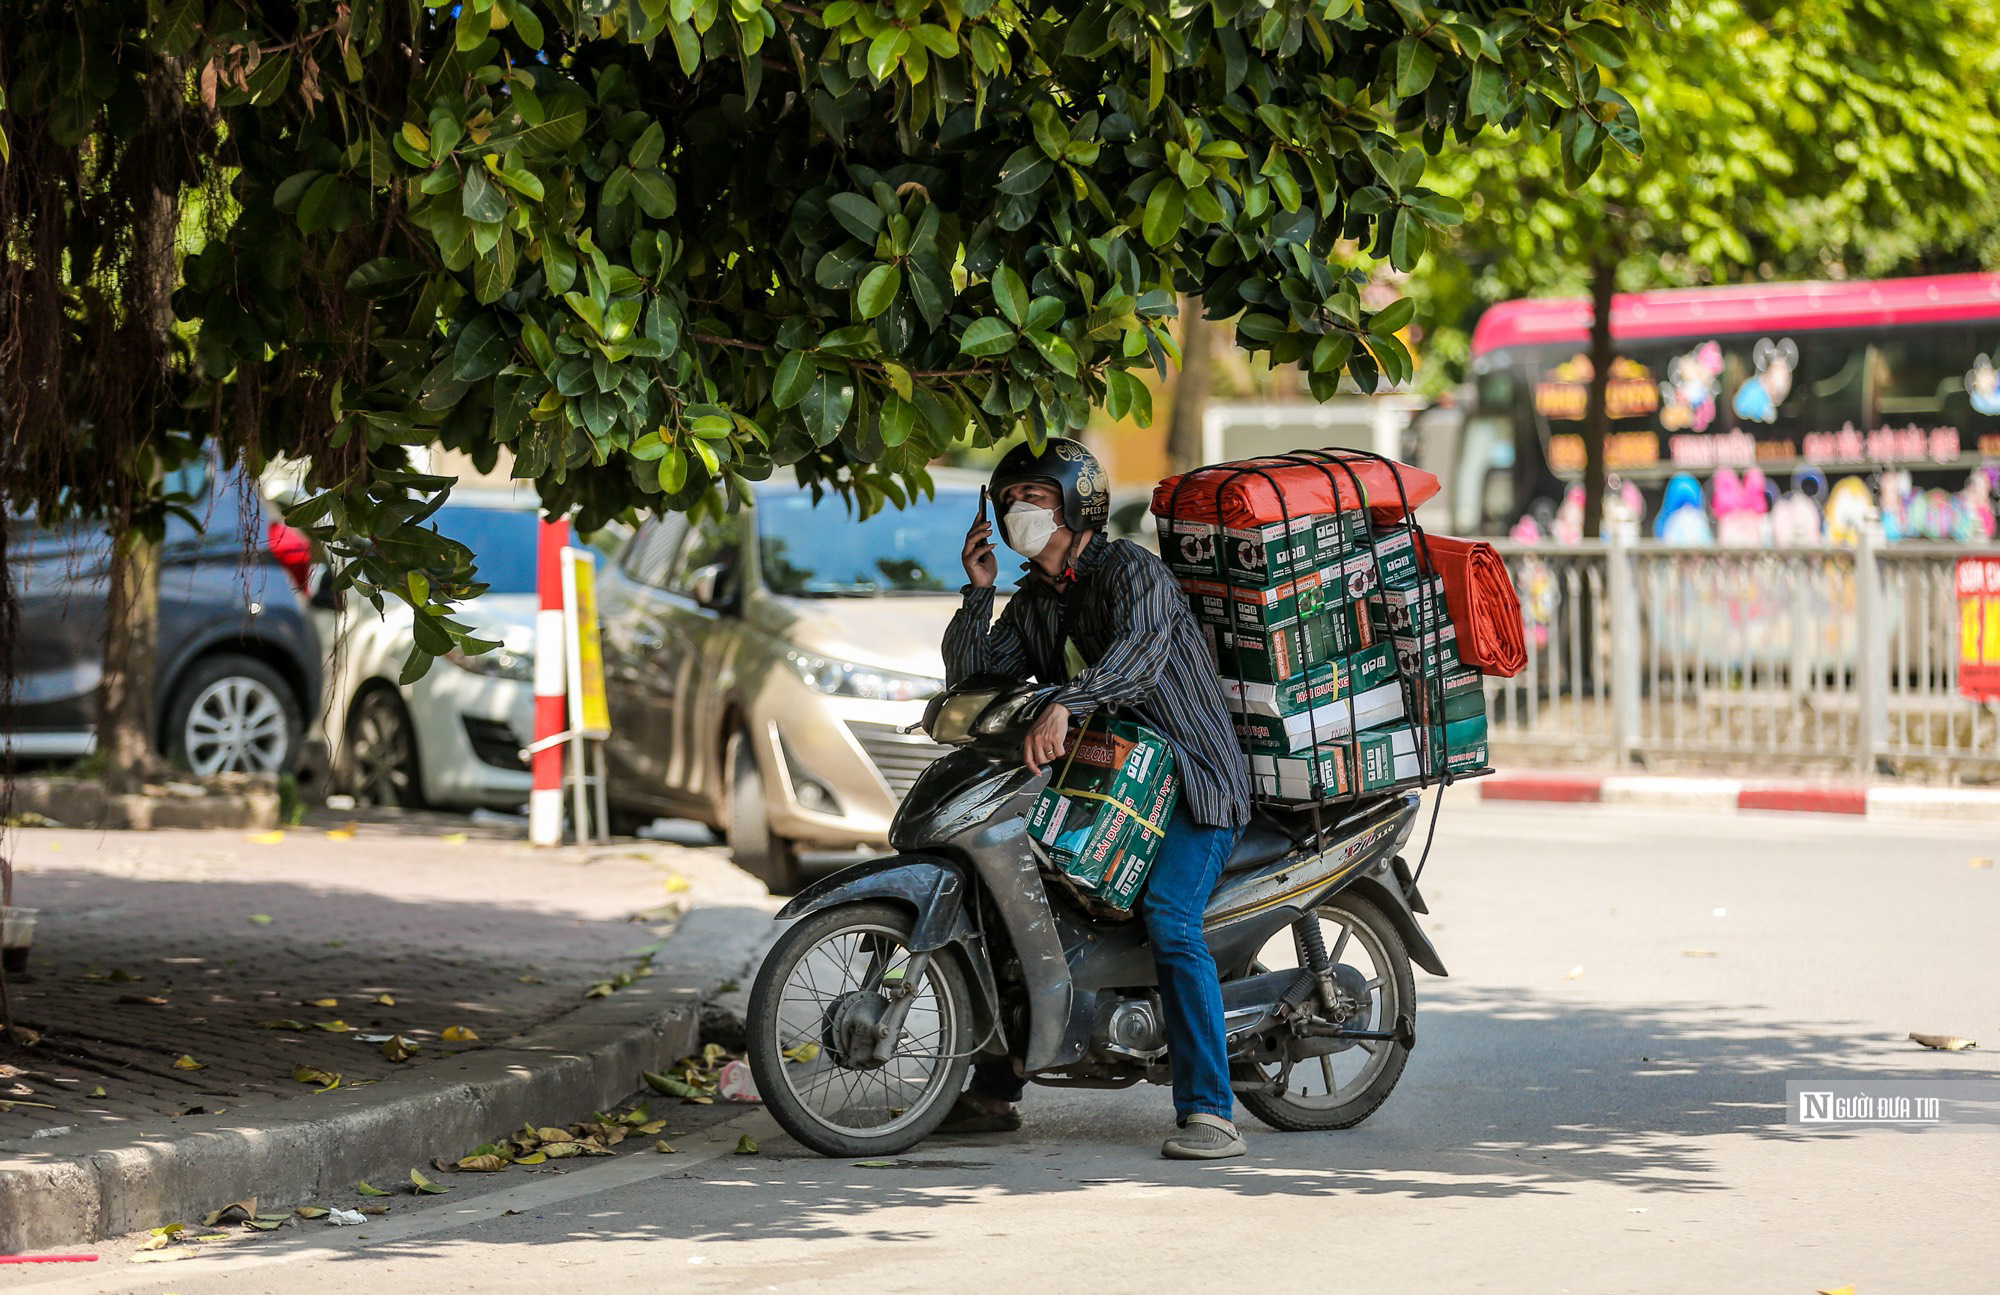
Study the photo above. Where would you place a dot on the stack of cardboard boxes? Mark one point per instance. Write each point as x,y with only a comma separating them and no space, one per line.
1336,651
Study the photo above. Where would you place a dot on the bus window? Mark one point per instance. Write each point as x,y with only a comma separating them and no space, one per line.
1482,488
1920,380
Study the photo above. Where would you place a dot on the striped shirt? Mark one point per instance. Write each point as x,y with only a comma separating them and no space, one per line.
1147,660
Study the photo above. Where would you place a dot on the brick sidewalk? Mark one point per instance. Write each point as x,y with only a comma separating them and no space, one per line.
461,925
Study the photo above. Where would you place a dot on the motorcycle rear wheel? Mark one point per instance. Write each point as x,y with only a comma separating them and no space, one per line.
1316,1097
820,971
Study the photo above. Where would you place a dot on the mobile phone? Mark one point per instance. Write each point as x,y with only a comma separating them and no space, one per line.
982,504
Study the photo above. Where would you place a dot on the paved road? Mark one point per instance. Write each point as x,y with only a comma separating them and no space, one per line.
1613,1128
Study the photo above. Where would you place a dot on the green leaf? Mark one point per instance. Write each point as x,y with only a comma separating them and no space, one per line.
899,416
385,277
794,377
827,405
673,470
480,350
1332,352
1416,63
479,197
987,337
1392,317
1010,294
1165,210
655,194
859,216
646,149
1060,355
878,289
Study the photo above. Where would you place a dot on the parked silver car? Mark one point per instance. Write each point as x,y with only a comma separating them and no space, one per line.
762,668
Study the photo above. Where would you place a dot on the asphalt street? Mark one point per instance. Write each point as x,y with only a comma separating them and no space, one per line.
1596,1104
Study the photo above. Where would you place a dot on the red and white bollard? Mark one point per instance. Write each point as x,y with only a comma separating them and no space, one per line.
545,802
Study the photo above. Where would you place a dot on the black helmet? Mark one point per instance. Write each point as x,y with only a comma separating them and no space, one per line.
1068,467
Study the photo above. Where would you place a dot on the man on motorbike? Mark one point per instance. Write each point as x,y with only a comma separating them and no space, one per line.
1105,620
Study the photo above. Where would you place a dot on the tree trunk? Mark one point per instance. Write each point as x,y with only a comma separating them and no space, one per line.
1597,414
132,606
1184,428
131,640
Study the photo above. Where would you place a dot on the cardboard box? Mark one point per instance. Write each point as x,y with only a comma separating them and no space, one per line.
1230,606
1376,760
1450,709
1260,556
1418,609
1104,813
1426,657
1276,653
1190,548
1458,747
1288,734
1397,557
1328,682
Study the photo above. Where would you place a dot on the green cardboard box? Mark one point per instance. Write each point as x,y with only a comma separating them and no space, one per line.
1452,708
1420,608
1190,548
1324,683
1462,743
1260,556
1428,656
1397,557
1104,813
1273,654
1375,760
1288,734
1218,602
1338,535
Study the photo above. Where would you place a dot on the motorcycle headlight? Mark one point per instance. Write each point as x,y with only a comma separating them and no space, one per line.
846,679
501,663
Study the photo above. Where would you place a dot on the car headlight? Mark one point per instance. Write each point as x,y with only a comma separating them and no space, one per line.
501,663
846,679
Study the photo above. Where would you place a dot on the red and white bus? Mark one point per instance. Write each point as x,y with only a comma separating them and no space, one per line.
1812,397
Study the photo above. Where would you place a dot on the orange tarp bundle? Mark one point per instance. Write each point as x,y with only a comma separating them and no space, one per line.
1247,493
1483,604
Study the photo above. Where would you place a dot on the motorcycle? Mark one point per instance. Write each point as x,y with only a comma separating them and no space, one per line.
899,972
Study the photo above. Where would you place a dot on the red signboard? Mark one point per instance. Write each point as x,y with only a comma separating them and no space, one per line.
1979,628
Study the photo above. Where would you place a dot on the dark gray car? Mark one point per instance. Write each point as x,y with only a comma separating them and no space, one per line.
238,661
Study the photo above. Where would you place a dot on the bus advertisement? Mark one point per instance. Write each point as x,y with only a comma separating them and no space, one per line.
1768,413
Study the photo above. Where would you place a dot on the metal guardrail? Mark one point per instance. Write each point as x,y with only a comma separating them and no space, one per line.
1800,656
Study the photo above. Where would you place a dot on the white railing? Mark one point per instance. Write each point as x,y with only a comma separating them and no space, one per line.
1785,658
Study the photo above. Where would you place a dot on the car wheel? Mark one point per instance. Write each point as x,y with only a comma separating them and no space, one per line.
233,714
381,752
747,823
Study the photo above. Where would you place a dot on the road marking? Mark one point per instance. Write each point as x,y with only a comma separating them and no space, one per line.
336,1243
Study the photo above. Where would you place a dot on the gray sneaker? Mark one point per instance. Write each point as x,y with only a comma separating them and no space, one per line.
1204,1137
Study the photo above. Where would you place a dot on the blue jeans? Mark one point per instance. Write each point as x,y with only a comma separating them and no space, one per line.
1177,891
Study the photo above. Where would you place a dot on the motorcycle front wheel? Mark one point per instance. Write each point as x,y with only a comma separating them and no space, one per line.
1347,1080
813,1013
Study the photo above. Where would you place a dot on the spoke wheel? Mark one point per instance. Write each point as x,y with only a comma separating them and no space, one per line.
1341,1082
382,752
234,715
818,996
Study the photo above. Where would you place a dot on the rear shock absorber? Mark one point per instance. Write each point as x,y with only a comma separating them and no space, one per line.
1310,944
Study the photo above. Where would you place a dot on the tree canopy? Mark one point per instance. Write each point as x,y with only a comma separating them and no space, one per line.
660,248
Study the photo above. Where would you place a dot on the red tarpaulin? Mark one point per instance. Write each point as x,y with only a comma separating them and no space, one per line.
1483,604
1246,493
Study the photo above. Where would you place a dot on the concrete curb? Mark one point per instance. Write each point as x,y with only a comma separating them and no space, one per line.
1729,795
59,1191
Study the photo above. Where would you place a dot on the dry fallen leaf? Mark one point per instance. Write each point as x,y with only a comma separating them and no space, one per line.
398,1048
675,883
664,1148
285,1023
186,1062
531,1158
342,833
311,1212
142,1000
320,1002
386,1000
803,1053
746,1146
453,838
334,1027
1979,863
274,837
1942,1042
98,1091
459,1034
366,1190
163,1237
874,1164
326,1079
1839,1290
371,1209
562,1150
247,1208
161,1256
424,1186
487,1164
261,919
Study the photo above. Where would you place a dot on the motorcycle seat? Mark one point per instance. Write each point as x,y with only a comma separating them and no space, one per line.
1263,841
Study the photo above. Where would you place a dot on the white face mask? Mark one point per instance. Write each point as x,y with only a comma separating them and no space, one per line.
1028,528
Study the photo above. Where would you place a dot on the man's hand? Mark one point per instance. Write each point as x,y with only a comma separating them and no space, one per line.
1048,739
981,567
